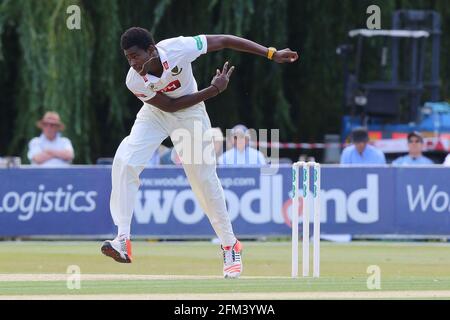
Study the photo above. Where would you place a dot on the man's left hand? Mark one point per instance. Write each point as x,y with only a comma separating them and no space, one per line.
285,56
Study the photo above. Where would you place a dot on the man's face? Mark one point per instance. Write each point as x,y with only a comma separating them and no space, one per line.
415,146
240,142
360,146
137,57
50,130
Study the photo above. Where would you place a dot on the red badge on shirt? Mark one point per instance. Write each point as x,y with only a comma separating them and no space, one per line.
174,85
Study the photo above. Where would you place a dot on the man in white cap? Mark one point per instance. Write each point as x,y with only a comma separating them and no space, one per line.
241,153
50,149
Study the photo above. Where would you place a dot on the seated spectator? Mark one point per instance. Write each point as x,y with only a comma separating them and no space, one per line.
10,162
447,161
3,163
414,156
360,152
50,149
241,153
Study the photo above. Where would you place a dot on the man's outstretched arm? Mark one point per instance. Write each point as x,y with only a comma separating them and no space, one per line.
220,81
223,41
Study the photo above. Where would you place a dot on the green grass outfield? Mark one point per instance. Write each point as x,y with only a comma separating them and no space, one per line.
192,270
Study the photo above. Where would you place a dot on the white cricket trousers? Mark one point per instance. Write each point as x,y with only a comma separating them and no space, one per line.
150,128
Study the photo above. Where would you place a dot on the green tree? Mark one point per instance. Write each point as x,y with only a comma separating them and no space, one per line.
80,73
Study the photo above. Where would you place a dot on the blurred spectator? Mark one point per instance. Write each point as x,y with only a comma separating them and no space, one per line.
50,149
229,142
414,156
447,161
360,152
305,158
10,162
170,156
241,153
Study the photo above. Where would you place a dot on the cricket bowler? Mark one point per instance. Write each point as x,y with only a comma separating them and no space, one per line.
160,75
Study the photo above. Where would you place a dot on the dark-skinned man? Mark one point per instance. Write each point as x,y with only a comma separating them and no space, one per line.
160,75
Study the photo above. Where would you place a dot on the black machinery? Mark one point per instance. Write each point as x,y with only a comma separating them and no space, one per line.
407,71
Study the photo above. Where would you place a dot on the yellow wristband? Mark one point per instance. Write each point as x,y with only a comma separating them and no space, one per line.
271,52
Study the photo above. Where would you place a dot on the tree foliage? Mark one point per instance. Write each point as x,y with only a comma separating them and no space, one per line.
80,73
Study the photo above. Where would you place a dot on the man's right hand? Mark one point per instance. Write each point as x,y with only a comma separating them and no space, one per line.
218,84
221,79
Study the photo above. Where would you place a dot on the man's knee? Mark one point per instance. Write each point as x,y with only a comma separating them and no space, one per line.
125,164
210,186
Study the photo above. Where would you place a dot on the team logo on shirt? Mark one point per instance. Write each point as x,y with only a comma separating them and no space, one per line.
174,85
175,71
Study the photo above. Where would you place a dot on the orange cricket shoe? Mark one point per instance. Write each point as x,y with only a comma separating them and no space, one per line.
232,260
119,249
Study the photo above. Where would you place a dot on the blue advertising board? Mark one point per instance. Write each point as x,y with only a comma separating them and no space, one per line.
423,200
354,200
54,202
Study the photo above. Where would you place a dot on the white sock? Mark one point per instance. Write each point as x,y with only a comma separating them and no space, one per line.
124,231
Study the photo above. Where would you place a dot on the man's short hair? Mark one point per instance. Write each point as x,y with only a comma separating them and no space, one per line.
360,134
415,134
136,36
